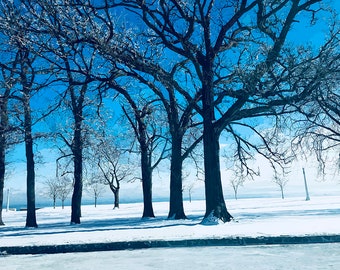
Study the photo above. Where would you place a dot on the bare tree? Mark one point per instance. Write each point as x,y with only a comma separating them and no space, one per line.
131,63
27,75
192,174
73,64
178,111
229,61
58,188
95,188
52,190
281,181
64,189
113,165
3,145
5,88
189,188
3,127
242,68
151,142
317,127
237,181
25,88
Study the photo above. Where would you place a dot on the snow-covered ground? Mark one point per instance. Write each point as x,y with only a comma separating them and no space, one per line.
253,218
292,257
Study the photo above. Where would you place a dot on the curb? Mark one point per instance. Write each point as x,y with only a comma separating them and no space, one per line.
133,245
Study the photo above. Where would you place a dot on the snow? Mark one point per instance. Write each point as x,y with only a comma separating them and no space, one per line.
294,257
254,217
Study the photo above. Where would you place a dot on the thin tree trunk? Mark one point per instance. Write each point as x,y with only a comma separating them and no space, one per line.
31,213
54,201
282,194
305,182
176,189
116,198
3,144
2,175
235,193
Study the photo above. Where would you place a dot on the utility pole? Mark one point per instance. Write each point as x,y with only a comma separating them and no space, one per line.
306,187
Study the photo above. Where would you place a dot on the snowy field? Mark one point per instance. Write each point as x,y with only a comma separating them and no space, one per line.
253,218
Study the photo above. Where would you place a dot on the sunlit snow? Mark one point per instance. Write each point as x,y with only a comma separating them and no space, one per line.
253,218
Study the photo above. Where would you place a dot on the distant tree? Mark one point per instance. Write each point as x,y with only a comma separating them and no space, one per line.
113,165
237,181
189,188
58,188
192,175
281,181
306,185
64,189
52,190
95,188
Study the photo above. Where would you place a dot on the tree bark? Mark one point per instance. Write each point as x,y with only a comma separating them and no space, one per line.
77,149
215,204
2,173
3,146
31,220
176,188
116,198
146,182
54,201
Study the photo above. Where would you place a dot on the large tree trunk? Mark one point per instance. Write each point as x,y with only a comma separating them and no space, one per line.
146,182
31,215
77,149
176,189
215,204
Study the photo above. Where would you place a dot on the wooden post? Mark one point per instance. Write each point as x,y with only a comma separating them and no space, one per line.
306,187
